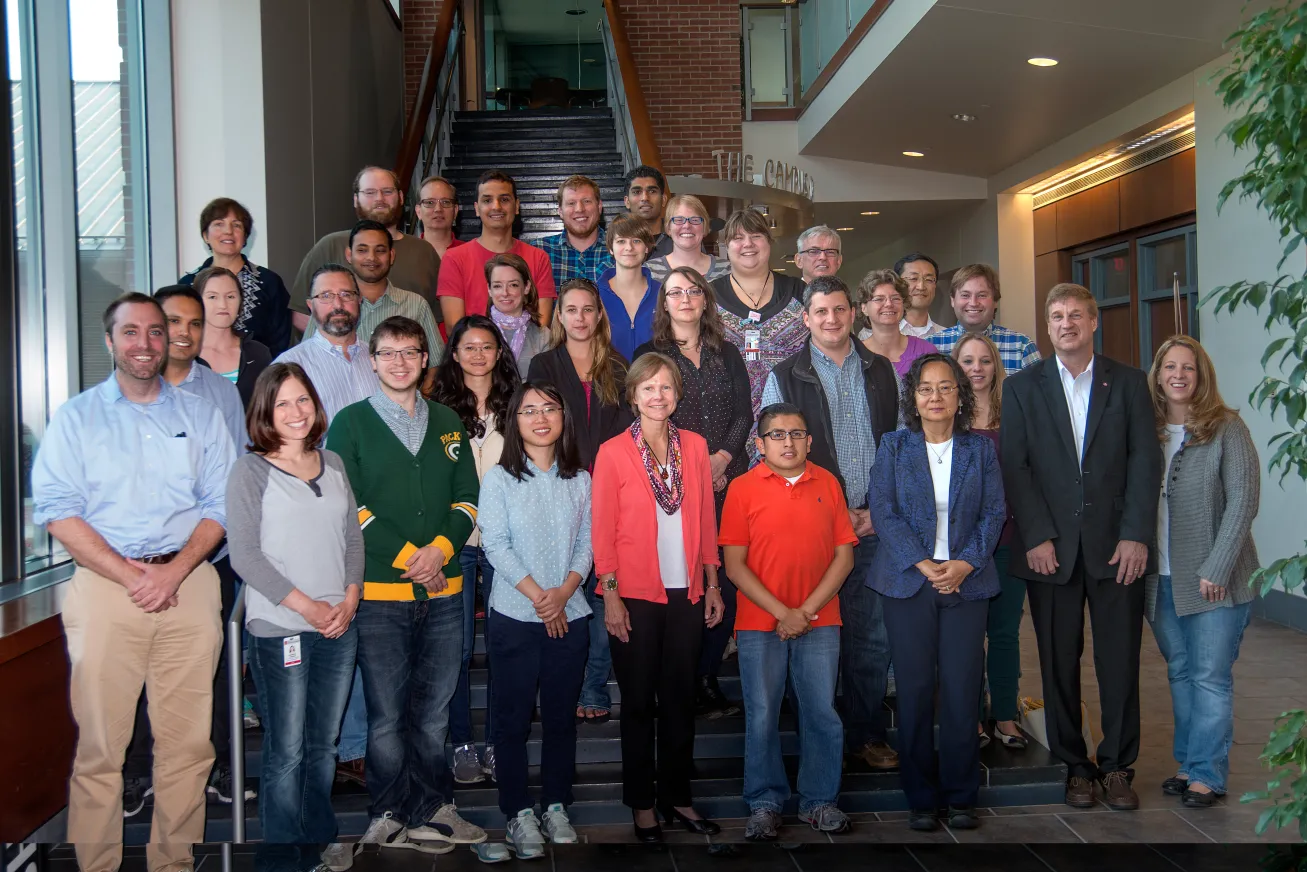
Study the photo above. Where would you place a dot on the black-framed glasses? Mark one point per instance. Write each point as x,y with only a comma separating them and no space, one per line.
443,203
817,252
691,293
779,435
389,354
332,296
692,220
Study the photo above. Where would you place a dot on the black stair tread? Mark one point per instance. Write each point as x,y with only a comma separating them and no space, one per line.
564,114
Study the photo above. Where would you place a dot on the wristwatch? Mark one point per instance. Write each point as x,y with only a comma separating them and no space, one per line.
608,584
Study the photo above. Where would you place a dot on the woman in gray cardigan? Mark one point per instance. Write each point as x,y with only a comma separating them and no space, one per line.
1199,602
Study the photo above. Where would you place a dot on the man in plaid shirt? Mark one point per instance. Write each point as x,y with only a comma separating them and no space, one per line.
579,251
975,295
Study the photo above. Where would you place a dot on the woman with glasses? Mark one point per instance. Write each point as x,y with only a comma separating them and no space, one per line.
535,519
882,296
236,356
654,532
714,404
476,378
437,210
515,308
685,222
937,503
591,378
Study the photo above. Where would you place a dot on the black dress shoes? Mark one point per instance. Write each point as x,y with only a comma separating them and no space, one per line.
648,835
700,826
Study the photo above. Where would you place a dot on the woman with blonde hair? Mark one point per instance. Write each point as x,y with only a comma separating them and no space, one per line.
1199,602
983,366
882,296
686,223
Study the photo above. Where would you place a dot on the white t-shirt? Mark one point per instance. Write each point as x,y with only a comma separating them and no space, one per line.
941,470
671,550
1174,439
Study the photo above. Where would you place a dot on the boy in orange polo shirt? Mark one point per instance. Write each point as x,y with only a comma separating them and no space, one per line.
789,546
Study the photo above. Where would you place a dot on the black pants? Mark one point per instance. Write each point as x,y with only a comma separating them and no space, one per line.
140,759
937,640
1116,613
656,672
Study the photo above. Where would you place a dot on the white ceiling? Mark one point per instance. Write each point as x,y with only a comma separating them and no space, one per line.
969,56
546,22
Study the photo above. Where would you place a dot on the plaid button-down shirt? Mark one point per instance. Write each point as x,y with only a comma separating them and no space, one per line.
568,263
1016,349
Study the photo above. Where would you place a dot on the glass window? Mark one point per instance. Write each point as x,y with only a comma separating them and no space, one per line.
1111,275
767,66
1170,258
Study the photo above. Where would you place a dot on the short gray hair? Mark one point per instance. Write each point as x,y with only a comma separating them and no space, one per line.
826,285
819,230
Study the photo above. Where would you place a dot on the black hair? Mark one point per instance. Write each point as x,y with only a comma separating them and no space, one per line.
332,268
566,453
776,410
826,285
128,299
449,389
368,224
644,172
908,398
912,258
167,292
496,176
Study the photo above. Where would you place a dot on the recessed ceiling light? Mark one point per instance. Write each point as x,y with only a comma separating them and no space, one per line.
913,154
1042,62
575,12
962,116
843,229
868,213
777,269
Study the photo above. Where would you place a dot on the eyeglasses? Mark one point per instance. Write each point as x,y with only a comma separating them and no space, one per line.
782,435
473,349
691,293
880,300
444,203
539,411
945,390
821,252
693,220
373,192
332,296
390,354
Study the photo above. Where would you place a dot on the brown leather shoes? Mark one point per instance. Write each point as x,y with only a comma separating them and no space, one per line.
351,771
1079,792
878,755
1117,792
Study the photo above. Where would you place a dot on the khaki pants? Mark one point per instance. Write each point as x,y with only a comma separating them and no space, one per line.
115,649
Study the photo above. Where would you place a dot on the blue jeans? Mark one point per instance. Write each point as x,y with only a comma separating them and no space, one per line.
599,663
302,710
354,731
1200,651
812,662
478,575
864,653
409,653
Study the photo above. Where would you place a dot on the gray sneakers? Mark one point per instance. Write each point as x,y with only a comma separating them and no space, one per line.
826,818
762,826
558,827
524,837
447,826
338,857
468,768
386,832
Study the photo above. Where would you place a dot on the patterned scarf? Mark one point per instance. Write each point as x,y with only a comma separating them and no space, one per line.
666,480
513,327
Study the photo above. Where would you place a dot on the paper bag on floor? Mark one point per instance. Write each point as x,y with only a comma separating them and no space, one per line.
1030,717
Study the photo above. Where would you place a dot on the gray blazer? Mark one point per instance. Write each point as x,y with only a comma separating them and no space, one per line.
537,340
1213,493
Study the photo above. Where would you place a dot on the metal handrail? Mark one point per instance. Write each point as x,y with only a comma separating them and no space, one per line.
617,46
415,128
434,146
236,714
627,145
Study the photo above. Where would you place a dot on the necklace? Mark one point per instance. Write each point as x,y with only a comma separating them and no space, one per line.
939,458
663,468
755,303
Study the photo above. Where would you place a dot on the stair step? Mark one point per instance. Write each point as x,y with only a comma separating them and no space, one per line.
532,115
526,147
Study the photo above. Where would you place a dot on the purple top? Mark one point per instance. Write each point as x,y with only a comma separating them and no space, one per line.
1006,536
916,348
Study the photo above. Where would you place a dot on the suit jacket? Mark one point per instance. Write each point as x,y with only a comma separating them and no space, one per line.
1087,507
902,508
605,422
255,358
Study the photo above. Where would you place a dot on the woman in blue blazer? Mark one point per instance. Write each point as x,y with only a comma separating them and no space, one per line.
937,504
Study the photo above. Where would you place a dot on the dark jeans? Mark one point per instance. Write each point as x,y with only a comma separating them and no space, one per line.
1003,656
715,638
531,662
932,633
409,653
302,709
139,762
655,671
864,653
599,663
478,575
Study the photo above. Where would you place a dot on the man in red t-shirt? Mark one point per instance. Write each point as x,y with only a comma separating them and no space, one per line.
461,287
789,546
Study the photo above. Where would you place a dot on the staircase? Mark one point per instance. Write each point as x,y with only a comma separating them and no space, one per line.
539,148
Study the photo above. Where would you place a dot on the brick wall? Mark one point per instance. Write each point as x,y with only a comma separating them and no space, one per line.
419,21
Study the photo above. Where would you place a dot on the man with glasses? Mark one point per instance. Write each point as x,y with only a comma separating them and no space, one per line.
975,295
645,197
818,253
922,275
849,395
414,477
580,251
438,210
788,544
377,197
371,255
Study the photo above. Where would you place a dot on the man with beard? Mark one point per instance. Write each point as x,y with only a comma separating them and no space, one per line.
378,197
646,194
579,252
372,256
131,478
463,288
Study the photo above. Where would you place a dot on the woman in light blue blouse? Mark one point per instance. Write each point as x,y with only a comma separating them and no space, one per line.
534,515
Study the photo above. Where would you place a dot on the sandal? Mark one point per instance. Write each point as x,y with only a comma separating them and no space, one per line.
597,715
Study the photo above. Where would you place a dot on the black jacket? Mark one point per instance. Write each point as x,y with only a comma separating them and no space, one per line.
605,422
255,358
1084,508
801,387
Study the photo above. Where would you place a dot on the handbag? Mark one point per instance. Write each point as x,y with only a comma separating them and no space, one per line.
1030,717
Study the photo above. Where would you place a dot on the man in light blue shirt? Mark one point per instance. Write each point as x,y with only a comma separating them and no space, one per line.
131,479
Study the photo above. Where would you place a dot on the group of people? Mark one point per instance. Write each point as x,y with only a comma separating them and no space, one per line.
626,451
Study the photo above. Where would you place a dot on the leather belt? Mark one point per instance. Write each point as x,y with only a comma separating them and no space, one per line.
160,558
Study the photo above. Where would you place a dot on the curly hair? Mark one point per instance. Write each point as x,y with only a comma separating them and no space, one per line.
450,390
908,399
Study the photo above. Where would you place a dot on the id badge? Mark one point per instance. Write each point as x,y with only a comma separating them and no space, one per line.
290,651
752,344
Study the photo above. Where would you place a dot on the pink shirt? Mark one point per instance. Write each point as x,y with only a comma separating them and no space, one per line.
463,273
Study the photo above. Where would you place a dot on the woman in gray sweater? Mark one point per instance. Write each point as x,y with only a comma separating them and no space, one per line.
1199,602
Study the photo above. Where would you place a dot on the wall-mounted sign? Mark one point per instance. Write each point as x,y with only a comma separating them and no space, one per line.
736,166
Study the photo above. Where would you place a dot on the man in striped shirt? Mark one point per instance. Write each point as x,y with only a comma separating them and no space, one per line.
975,294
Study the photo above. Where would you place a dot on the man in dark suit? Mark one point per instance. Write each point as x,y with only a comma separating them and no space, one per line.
1082,469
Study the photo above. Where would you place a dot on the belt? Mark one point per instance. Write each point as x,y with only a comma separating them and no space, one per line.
160,558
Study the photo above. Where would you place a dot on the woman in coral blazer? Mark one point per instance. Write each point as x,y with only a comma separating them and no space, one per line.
654,532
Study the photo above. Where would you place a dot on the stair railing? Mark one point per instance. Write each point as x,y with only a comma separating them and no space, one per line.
635,138
236,726
426,131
